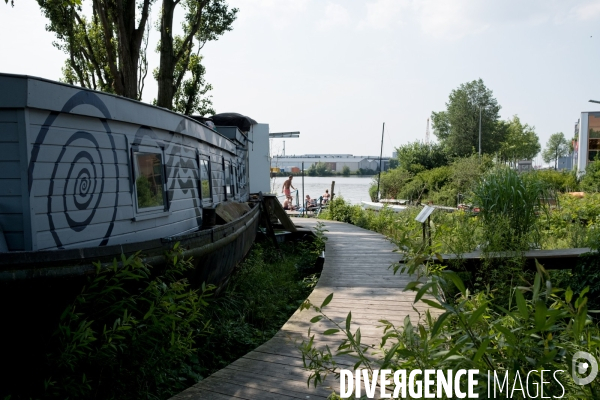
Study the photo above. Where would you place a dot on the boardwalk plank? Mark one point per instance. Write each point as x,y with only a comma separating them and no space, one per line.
357,271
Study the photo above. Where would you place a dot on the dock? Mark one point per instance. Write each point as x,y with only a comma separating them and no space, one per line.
356,270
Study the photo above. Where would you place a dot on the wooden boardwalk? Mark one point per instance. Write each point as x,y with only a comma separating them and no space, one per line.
356,271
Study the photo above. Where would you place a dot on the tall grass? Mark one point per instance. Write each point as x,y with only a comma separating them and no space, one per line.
510,205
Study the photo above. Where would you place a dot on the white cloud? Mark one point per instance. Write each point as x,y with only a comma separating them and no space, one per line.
450,19
335,16
383,14
454,19
277,13
588,11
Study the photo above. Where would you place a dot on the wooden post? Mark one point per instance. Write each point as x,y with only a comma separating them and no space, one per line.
332,186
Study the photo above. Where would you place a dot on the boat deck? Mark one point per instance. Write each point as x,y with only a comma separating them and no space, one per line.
356,271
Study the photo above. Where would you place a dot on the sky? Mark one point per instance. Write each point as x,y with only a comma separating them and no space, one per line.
337,70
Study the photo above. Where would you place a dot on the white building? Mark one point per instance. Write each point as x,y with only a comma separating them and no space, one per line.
588,146
335,162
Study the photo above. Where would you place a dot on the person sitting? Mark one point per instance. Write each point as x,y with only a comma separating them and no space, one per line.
287,205
326,196
310,202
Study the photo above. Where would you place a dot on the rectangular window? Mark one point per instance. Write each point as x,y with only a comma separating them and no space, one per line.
205,192
228,180
149,181
593,136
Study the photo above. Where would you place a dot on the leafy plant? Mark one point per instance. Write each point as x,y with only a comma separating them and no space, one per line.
130,333
541,329
510,204
267,288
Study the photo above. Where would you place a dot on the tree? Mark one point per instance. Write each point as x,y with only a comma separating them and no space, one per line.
107,49
520,143
457,128
556,147
318,169
417,156
346,170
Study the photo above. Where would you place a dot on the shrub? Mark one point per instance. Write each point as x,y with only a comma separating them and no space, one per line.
267,288
559,181
129,334
541,329
591,180
510,204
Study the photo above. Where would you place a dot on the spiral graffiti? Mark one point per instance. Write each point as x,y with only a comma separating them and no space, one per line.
82,164
78,178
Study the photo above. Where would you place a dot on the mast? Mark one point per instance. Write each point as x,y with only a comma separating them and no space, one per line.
380,166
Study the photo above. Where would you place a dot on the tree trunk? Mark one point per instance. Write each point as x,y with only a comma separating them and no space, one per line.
167,58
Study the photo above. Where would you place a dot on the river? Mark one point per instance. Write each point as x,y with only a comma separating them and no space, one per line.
353,189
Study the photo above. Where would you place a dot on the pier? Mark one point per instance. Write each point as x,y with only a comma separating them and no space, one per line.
356,270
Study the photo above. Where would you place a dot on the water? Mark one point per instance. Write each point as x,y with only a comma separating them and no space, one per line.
353,189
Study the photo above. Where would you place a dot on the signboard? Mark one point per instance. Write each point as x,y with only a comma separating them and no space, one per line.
424,214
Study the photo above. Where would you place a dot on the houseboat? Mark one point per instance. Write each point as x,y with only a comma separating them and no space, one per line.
87,176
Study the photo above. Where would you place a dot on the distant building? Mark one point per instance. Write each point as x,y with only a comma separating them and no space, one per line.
334,162
524,165
565,163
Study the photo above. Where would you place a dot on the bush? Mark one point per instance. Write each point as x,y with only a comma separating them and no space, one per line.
541,330
559,181
267,288
510,204
129,334
591,180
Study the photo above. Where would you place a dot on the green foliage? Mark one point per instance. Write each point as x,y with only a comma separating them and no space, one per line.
457,128
586,274
131,333
191,97
416,156
346,170
319,169
145,195
392,182
559,181
367,171
591,180
556,147
520,141
442,184
137,333
573,223
541,329
260,297
106,47
510,204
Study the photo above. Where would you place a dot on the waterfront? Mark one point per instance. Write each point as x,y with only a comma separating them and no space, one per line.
353,189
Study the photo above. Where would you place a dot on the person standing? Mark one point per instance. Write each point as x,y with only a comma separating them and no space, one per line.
286,188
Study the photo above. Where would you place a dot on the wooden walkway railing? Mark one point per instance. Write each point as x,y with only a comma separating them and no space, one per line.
356,271
550,259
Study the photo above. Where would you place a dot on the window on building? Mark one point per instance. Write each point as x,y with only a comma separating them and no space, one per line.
228,179
205,192
149,181
593,136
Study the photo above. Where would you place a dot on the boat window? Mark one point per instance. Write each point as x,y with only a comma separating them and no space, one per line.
228,180
205,192
236,171
149,181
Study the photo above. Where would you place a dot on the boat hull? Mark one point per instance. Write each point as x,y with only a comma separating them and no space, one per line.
369,205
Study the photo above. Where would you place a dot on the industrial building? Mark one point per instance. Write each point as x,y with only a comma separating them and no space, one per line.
334,162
